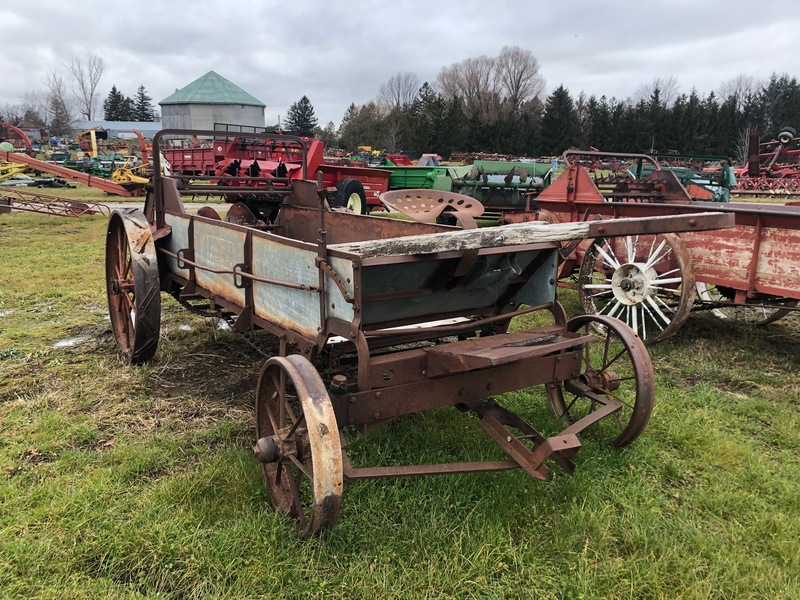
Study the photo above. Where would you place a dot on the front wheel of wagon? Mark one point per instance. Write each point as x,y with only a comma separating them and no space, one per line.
298,443
615,368
132,285
645,281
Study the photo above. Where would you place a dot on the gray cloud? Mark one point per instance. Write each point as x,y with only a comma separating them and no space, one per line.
337,53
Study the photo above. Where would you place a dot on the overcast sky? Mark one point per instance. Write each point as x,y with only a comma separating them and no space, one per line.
339,52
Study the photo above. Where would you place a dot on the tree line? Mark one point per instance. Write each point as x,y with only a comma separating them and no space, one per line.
497,104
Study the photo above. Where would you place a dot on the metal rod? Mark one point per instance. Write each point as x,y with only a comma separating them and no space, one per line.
419,470
191,263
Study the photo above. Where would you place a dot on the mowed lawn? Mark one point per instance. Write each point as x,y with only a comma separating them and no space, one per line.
120,482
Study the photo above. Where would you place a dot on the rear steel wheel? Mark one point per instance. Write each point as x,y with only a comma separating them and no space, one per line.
645,281
132,286
755,315
298,444
615,369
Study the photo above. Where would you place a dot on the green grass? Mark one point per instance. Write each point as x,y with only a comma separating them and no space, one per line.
120,482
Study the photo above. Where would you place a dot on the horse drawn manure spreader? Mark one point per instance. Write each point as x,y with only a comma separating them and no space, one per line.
379,318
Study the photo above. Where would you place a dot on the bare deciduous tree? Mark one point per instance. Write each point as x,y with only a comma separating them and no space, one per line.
399,90
518,72
667,87
34,107
58,108
741,145
11,114
393,137
475,81
739,87
86,75
491,85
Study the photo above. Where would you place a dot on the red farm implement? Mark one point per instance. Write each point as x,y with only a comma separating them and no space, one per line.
750,272
271,162
773,167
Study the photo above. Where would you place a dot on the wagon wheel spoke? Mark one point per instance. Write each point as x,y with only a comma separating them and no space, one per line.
294,487
133,287
629,385
298,443
645,281
756,315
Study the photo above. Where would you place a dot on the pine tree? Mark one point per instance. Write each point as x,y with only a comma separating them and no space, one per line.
59,117
559,122
143,110
301,117
112,105
127,110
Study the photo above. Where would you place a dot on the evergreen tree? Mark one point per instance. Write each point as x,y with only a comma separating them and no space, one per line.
128,110
301,116
327,135
143,106
113,106
429,117
60,118
559,122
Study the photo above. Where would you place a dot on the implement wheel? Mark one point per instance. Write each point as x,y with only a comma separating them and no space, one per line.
350,194
132,285
615,368
298,444
645,281
760,314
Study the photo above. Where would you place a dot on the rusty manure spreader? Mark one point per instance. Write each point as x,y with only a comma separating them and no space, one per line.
379,318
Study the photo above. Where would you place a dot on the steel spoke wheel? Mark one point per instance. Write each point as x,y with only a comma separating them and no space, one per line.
759,314
132,286
615,368
645,281
298,444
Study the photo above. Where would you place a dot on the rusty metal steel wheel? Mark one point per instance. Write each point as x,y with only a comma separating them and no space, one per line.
298,443
132,285
761,314
645,281
615,367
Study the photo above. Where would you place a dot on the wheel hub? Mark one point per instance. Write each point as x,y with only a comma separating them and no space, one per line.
632,283
267,450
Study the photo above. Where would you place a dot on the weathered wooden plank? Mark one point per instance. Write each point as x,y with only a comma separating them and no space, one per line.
523,233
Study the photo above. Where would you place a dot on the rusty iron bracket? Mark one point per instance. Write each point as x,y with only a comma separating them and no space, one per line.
336,279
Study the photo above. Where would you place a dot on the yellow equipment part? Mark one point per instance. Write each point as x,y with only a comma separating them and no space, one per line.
131,175
9,170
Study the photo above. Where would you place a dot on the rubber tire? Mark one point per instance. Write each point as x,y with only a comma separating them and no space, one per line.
345,189
786,135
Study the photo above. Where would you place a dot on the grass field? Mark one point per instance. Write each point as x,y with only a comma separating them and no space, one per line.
120,482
